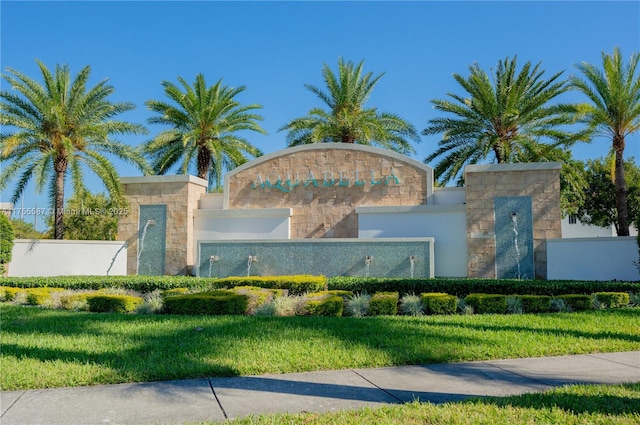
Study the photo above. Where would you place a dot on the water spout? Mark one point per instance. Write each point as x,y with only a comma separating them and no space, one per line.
250,260
142,238
367,264
212,259
514,218
412,265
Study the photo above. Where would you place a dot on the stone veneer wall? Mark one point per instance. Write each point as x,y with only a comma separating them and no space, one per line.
180,194
540,181
329,212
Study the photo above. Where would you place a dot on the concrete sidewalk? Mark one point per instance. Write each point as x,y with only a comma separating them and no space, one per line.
217,399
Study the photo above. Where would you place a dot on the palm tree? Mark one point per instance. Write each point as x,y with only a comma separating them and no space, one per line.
204,125
504,118
614,92
347,120
62,125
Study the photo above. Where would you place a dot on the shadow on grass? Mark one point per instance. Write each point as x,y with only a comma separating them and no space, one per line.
610,400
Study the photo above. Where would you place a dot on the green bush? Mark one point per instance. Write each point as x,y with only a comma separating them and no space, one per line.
112,303
211,303
40,296
384,303
439,303
464,287
535,303
577,302
296,285
332,305
174,291
75,301
6,242
612,299
487,303
8,293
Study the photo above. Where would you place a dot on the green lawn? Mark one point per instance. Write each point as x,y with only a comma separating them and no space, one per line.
43,348
579,404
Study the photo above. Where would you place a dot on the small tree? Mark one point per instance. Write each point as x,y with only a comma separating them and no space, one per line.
598,206
25,230
92,217
6,242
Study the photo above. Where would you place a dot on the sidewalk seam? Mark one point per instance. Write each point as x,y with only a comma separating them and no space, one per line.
14,403
378,387
597,356
538,381
224,413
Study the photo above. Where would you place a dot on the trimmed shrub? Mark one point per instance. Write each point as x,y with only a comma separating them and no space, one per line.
535,303
331,305
439,303
40,296
576,302
75,301
175,291
111,303
384,303
296,285
612,299
487,303
211,303
8,293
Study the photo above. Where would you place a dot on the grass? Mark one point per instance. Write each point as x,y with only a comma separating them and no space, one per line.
44,348
577,404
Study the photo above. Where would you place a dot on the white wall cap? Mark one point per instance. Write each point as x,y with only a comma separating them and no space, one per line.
65,241
178,178
244,213
522,166
414,209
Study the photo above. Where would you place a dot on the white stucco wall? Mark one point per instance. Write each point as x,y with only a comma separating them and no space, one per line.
46,257
270,223
447,224
603,258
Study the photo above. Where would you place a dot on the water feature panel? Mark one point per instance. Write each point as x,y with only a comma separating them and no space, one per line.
513,230
152,225
381,257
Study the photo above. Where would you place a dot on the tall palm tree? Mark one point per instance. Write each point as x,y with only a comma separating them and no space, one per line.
61,126
614,93
347,120
503,118
204,122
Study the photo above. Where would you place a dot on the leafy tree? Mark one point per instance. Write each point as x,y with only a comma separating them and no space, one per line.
61,126
506,117
347,120
598,206
24,230
6,242
614,111
92,217
205,124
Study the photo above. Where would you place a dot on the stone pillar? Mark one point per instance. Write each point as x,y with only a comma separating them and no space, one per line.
180,195
539,181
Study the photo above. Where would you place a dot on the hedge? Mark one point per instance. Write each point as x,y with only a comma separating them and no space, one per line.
8,293
332,305
577,302
487,303
40,296
535,303
439,303
134,282
612,299
384,303
463,287
296,285
211,303
113,303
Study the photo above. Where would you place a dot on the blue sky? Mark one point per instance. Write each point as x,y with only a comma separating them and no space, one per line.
274,48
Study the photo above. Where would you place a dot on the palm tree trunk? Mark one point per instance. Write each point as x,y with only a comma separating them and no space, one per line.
204,159
60,167
621,188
